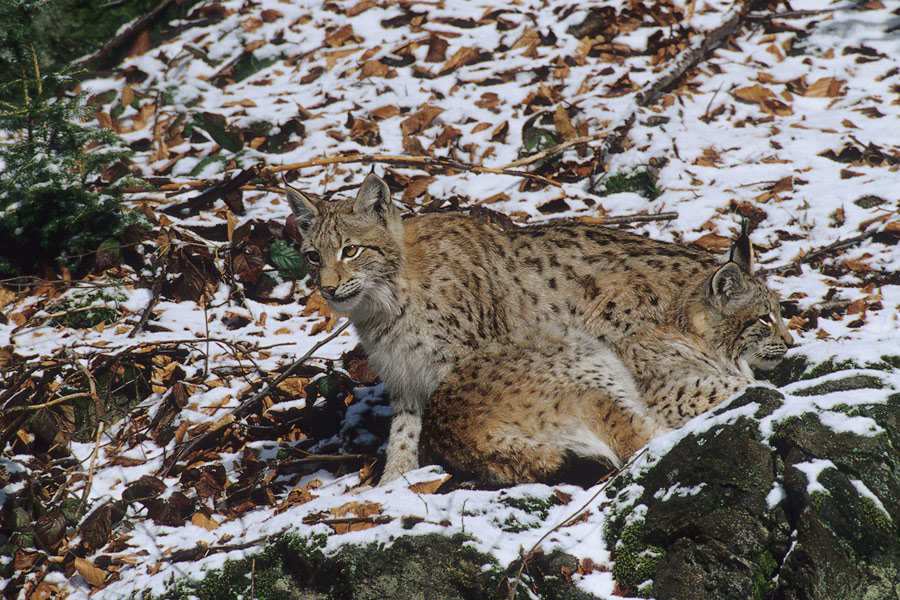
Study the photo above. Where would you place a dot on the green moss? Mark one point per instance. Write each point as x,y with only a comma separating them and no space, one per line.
762,575
89,309
641,182
634,561
854,382
817,499
872,514
789,370
832,365
531,504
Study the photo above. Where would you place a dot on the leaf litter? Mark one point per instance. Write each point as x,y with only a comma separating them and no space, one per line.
787,124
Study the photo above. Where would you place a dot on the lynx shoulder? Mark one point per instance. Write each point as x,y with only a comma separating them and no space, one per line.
424,291
519,408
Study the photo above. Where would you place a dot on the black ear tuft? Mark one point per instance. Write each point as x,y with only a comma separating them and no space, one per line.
742,250
304,209
374,196
726,283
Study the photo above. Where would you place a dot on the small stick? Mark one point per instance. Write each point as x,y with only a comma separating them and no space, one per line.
244,406
664,216
833,247
558,148
59,400
87,488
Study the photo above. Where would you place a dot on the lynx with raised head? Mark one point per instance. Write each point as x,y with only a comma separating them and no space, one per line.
426,291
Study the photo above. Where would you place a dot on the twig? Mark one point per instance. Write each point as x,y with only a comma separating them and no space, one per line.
380,520
59,400
604,483
791,14
156,291
832,247
445,163
245,406
87,488
664,216
555,149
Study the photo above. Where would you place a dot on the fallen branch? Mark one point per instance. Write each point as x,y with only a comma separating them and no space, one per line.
246,405
427,161
554,150
816,254
665,216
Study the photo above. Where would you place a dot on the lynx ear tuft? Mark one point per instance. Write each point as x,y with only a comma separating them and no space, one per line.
742,250
374,196
726,283
304,209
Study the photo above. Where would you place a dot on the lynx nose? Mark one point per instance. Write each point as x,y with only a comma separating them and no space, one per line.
328,291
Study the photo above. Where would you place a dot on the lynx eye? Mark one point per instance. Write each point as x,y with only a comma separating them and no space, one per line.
767,319
350,251
313,257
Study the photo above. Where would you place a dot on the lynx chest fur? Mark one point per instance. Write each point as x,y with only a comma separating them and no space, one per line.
425,291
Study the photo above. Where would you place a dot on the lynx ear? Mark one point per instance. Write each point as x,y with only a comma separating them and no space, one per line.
374,196
742,251
726,283
305,211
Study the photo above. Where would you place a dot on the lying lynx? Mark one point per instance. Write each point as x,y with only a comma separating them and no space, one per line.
518,408
425,291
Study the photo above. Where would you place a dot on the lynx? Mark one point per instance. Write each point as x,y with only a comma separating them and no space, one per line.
425,291
516,410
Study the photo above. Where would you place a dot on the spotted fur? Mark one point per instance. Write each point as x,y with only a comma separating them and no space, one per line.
425,291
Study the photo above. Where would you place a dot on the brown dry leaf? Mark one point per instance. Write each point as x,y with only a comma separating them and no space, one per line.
563,124
385,112
713,242
362,510
331,58
428,487
294,385
481,127
530,39
223,422
251,24
419,121
270,15
797,323
360,7
140,120
858,306
857,266
785,184
201,520
127,95
892,227
437,50
821,334
374,68
316,304
105,120
848,174
826,87
461,57
417,186
339,37
142,43
94,576
754,93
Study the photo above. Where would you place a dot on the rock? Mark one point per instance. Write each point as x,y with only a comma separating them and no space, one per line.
730,513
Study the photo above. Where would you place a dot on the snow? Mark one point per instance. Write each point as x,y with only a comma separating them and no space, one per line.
812,469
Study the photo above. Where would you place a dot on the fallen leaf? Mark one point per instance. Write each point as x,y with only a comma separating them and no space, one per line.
94,576
428,487
713,242
826,87
201,520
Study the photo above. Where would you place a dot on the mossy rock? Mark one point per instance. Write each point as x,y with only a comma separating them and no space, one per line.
729,515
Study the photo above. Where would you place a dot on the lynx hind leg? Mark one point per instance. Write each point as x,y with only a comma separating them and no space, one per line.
474,425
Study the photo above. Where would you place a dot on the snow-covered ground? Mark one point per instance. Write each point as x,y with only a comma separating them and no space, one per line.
793,124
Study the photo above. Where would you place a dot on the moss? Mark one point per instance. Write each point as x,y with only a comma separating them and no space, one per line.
875,516
789,370
642,182
89,309
832,365
817,499
634,561
854,382
762,575
531,504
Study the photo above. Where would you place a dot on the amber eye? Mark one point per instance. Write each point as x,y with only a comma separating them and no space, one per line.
767,319
313,257
350,251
